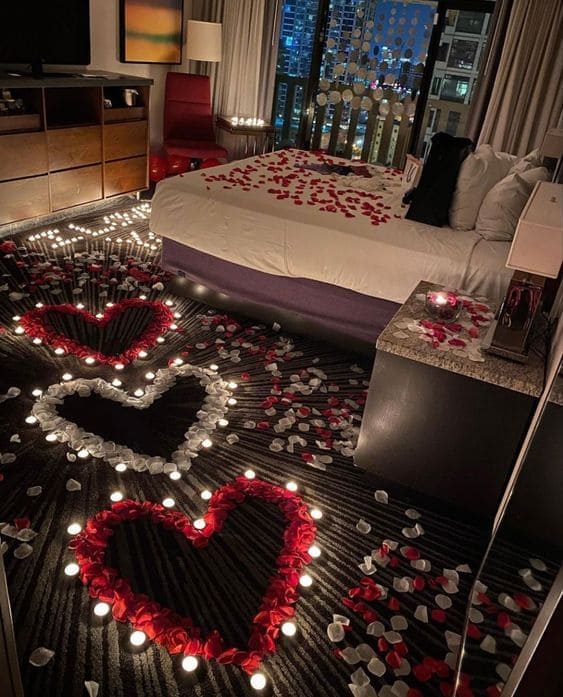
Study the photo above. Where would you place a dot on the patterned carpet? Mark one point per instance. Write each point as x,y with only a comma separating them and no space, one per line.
395,572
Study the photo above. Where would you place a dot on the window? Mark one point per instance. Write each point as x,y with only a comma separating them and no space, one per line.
436,85
470,22
434,119
463,54
455,89
453,122
443,49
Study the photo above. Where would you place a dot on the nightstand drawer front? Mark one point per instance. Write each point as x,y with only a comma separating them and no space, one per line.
123,140
74,147
22,155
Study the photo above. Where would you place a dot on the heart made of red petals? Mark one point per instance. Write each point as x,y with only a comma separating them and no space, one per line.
175,632
36,324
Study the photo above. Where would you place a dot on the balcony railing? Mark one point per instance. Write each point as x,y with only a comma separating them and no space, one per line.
374,125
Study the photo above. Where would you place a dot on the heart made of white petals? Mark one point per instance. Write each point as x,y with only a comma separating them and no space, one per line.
213,408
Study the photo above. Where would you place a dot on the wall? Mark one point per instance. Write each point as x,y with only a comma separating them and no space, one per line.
104,29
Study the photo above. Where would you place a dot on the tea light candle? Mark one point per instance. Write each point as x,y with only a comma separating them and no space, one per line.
443,305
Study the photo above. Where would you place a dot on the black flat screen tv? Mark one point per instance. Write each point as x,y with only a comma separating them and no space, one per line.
35,32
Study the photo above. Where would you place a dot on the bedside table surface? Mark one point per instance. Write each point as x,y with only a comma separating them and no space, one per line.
527,378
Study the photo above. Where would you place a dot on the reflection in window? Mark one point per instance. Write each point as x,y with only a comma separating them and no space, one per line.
470,22
453,122
443,49
463,54
455,89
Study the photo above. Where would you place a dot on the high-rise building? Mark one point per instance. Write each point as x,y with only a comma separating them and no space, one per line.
297,37
455,73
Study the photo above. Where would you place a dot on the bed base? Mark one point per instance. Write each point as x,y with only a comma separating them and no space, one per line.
350,320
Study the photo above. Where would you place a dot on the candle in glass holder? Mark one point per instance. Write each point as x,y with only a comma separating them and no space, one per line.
443,305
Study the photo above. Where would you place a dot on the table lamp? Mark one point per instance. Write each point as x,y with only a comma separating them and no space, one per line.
536,253
552,147
204,41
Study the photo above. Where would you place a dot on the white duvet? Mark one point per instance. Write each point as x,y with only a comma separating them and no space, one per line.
236,213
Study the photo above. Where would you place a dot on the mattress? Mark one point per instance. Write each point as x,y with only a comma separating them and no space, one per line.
284,214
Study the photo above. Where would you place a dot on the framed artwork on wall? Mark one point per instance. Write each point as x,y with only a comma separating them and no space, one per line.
151,31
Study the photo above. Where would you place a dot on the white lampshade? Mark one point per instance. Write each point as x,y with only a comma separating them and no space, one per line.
537,247
204,41
552,145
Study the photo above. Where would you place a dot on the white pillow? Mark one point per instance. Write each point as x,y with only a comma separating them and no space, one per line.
478,173
530,161
505,202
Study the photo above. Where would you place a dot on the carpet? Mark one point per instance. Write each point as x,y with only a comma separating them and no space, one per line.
387,604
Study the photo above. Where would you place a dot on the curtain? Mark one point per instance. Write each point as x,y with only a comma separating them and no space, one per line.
243,82
490,62
527,96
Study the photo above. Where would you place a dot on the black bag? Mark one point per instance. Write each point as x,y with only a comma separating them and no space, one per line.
433,196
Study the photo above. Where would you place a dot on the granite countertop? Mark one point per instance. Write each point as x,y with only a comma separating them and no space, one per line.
84,78
526,378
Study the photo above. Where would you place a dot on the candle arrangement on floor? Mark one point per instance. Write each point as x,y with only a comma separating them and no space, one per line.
177,634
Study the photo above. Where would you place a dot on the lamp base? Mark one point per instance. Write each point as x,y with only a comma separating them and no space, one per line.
509,335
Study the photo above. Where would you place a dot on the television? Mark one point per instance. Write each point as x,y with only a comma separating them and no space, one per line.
38,32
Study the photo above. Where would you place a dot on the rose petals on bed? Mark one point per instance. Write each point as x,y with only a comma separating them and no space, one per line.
292,176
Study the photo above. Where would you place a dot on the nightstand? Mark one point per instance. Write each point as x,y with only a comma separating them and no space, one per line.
445,423
256,138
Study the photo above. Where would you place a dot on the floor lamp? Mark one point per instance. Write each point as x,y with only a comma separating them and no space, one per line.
204,41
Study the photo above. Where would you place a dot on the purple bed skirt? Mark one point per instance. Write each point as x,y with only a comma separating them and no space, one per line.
333,308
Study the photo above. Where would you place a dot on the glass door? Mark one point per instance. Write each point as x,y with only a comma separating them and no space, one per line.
375,79
453,71
371,72
301,37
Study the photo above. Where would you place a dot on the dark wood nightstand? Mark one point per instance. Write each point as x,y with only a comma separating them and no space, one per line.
441,423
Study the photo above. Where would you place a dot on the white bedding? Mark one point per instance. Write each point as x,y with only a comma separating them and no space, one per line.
233,212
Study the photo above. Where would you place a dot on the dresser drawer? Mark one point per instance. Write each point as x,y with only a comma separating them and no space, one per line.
75,186
123,140
22,155
124,176
74,147
23,198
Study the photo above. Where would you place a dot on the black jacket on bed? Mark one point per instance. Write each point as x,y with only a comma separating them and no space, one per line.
432,197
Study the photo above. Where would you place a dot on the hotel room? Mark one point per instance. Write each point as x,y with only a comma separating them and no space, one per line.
281,398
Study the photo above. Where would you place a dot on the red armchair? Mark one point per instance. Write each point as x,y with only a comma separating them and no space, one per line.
188,119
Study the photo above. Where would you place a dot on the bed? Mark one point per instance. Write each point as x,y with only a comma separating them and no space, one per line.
315,235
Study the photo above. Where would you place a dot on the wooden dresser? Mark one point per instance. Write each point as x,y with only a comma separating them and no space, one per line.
70,147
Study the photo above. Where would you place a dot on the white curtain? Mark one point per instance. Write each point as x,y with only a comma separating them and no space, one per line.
527,96
243,82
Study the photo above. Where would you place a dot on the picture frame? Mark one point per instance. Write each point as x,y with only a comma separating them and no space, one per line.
151,31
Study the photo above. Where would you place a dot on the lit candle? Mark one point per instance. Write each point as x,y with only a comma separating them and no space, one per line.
258,681
190,663
101,609
138,638
289,629
72,569
443,305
